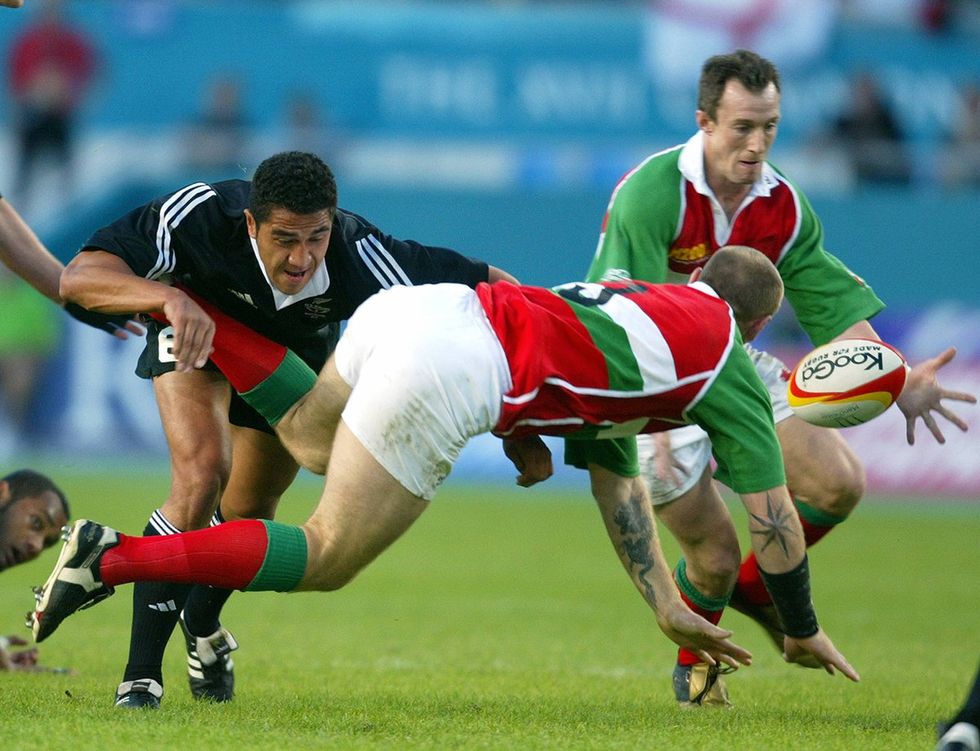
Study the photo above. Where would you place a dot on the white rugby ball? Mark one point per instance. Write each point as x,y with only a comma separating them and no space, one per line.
846,382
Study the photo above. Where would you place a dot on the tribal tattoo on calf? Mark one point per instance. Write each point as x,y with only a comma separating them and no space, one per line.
774,525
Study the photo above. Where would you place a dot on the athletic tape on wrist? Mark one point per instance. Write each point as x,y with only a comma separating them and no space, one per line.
790,594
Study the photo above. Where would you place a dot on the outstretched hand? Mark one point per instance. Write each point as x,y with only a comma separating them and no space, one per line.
923,395
711,643
817,651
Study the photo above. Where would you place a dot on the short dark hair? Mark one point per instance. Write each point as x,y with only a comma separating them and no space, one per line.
753,71
746,279
294,180
26,483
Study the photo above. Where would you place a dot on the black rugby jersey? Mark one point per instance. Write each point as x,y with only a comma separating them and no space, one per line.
198,236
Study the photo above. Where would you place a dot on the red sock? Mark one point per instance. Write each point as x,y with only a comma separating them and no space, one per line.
686,656
750,586
228,555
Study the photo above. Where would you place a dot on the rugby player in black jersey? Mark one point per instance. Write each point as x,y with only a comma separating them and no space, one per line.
279,255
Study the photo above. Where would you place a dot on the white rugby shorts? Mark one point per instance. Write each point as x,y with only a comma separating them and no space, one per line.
690,445
427,373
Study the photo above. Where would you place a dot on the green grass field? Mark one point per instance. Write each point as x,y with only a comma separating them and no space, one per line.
503,620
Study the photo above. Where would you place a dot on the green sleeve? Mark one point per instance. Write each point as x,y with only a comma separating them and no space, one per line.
640,223
736,413
615,454
826,296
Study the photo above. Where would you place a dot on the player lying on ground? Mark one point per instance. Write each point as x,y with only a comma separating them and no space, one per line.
421,370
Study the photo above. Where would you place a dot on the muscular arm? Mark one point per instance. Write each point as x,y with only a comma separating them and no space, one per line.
628,517
777,540
103,282
777,536
24,254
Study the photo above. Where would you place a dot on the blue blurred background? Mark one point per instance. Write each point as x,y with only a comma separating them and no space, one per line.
500,129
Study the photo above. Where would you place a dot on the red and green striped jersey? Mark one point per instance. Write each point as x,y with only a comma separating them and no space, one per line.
600,361
663,221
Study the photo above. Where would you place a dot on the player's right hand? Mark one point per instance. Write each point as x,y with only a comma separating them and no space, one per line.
818,647
193,331
711,643
531,457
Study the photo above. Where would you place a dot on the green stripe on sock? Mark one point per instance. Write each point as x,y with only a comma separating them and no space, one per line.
693,594
817,517
276,394
285,559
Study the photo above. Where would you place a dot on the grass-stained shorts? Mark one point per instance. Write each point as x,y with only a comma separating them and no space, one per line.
427,374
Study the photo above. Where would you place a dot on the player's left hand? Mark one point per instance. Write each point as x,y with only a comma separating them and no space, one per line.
532,458
820,648
711,643
11,3
119,326
923,395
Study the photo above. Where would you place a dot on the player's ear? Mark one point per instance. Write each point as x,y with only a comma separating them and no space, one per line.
702,119
253,226
695,275
4,492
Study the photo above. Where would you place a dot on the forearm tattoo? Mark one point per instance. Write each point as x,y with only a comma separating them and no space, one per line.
775,526
636,530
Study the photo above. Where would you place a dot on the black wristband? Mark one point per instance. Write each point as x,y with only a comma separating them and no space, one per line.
108,322
791,595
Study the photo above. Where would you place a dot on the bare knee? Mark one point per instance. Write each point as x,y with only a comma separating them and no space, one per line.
838,488
713,570
312,458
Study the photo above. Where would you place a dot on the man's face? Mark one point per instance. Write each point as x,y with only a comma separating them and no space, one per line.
737,141
28,525
291,246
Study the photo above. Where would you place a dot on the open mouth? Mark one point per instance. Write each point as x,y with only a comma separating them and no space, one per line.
295,276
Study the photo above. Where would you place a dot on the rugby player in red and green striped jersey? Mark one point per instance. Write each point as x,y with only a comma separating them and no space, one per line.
420,370
666,218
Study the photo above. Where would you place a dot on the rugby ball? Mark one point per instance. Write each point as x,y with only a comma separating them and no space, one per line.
846,382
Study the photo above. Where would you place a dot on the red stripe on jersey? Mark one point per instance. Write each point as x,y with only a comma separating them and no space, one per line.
767,224
553,358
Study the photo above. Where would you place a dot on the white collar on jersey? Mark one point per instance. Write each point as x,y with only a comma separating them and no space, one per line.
319,284
706,288
691,165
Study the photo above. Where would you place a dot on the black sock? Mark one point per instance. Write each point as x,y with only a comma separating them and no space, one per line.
202,611
156,607
970,711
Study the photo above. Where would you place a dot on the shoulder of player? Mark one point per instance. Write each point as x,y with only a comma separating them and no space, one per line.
656,176
202,203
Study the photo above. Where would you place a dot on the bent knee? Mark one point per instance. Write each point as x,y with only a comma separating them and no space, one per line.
839,488
313,459
713,572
